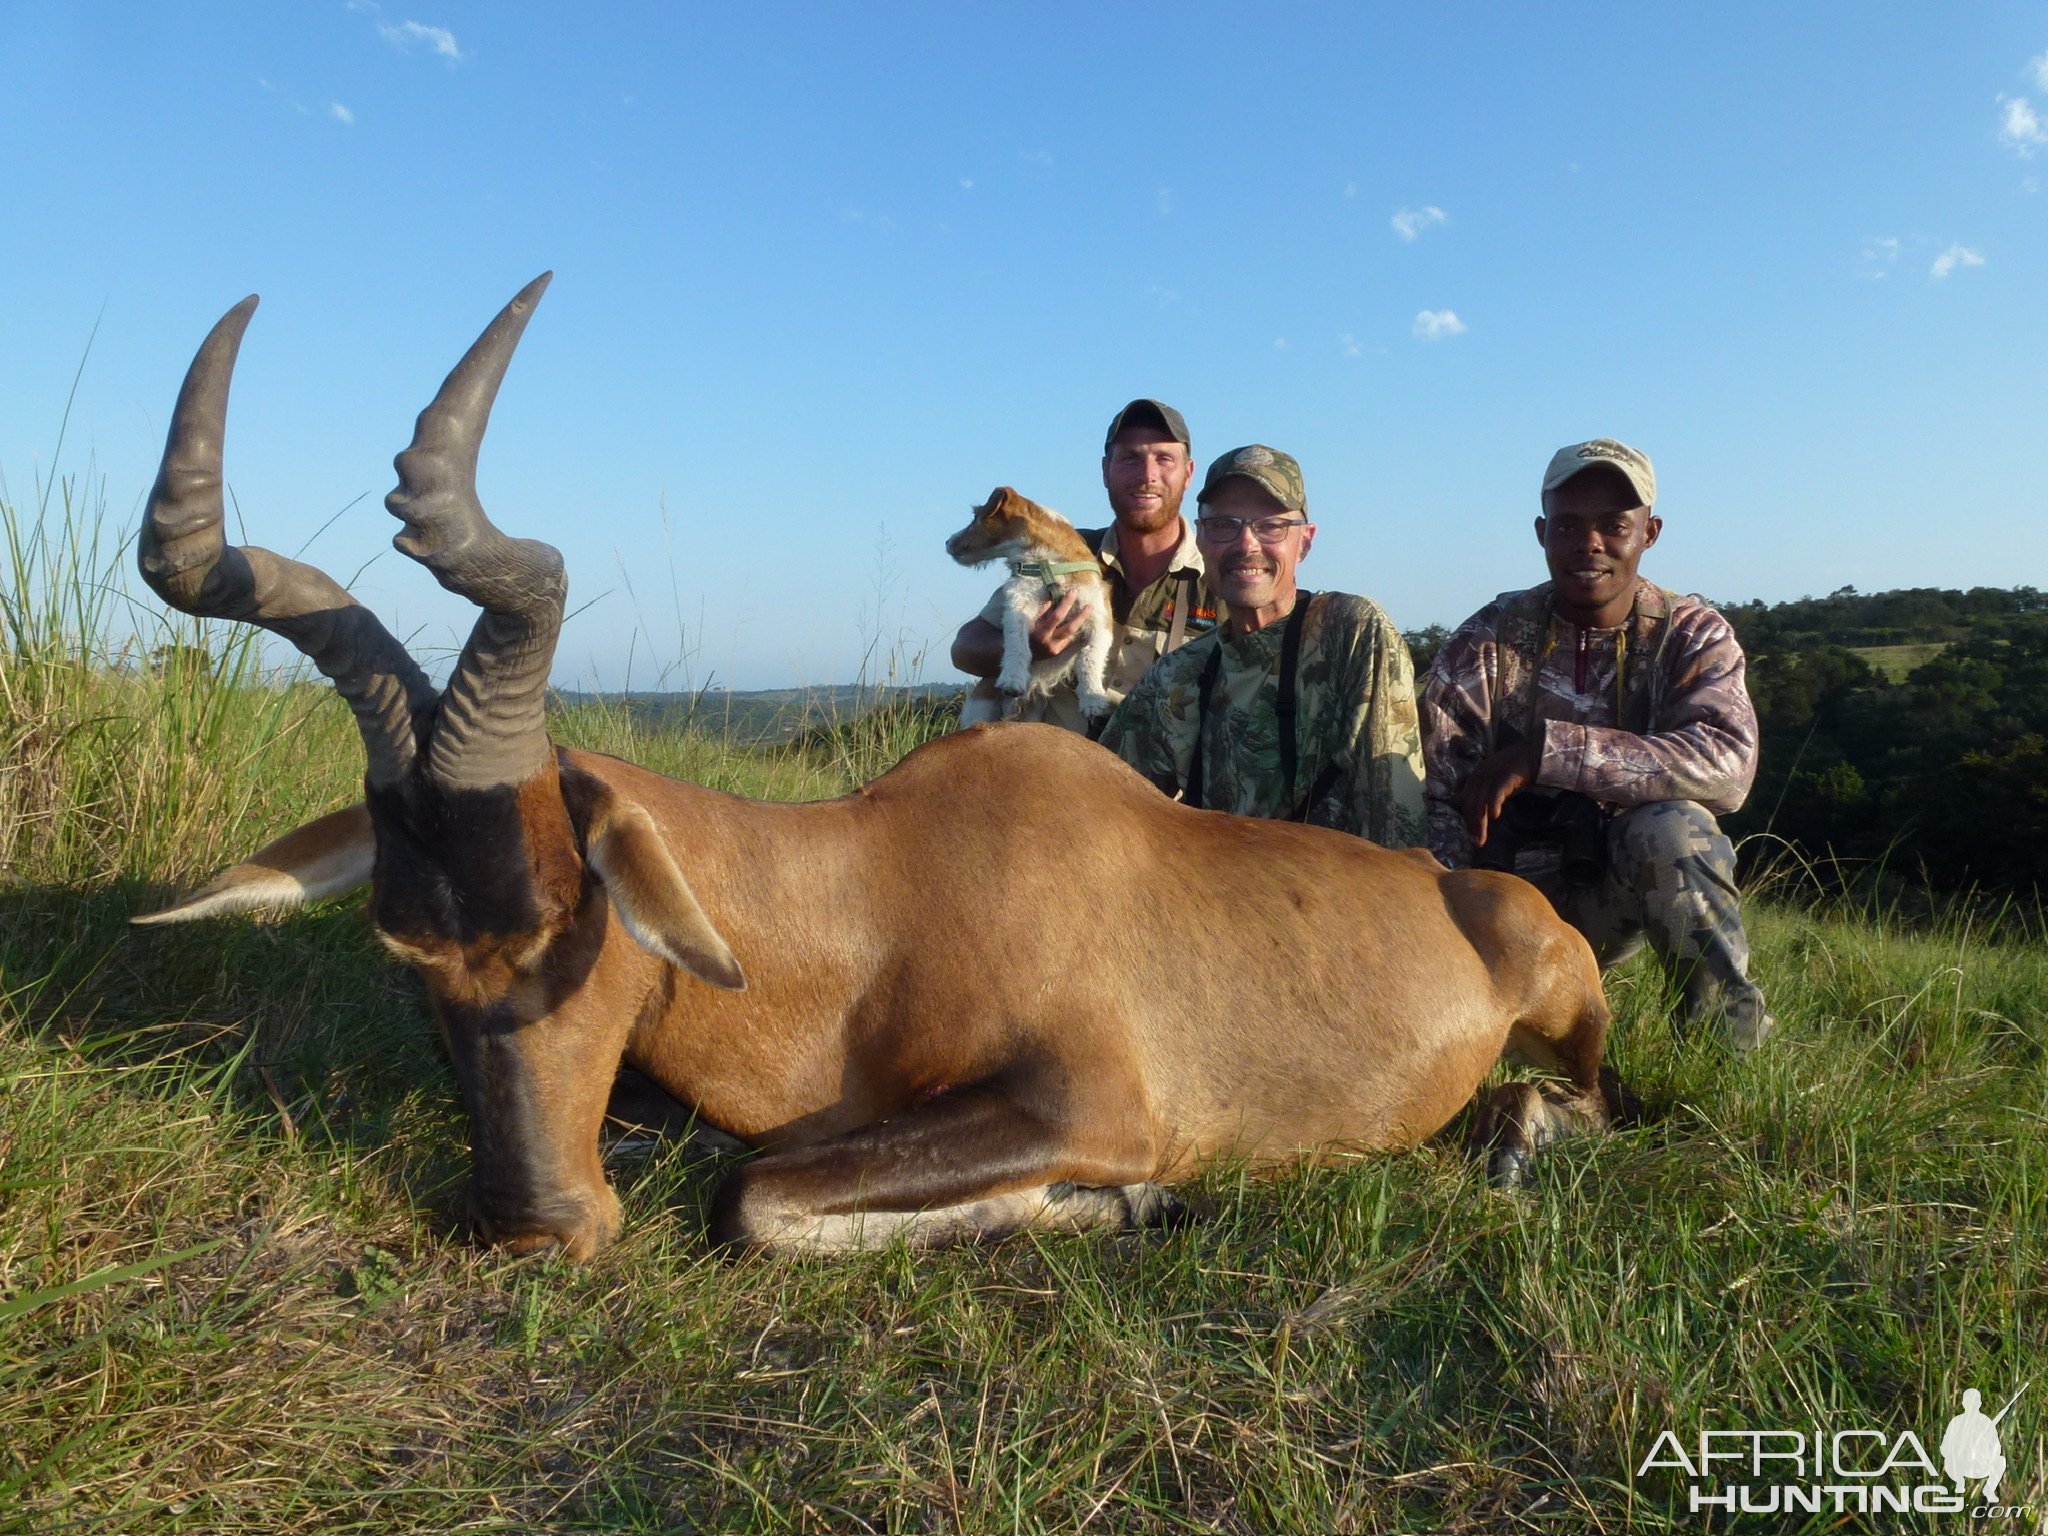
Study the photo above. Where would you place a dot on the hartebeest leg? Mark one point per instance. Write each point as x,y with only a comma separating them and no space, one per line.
1562,1029
972,1164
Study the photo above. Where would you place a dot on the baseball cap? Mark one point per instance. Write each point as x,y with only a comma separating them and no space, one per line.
1268,468
1567,462
1148,413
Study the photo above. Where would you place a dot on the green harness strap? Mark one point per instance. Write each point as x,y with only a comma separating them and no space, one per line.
1048,571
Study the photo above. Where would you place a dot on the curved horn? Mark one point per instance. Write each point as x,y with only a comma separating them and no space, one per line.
184,555
491,728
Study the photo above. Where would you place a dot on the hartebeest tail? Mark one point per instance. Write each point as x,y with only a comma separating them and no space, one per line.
893,993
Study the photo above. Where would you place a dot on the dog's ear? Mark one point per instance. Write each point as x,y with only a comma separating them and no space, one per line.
1001,499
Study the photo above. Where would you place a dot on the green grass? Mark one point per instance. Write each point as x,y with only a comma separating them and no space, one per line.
234,1295
1896,662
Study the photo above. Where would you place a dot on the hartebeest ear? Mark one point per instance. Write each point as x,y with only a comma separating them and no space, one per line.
653,899
327,857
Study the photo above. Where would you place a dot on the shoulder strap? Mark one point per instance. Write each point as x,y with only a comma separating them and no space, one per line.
1290,662
1191,792
1183,603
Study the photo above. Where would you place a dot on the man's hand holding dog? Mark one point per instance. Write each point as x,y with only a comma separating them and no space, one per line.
1058,626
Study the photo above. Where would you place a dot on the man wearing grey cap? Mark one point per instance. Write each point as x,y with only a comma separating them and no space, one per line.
1585,733
1301,706
1156,590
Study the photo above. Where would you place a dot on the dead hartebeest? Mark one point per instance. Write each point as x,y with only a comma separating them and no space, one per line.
904,997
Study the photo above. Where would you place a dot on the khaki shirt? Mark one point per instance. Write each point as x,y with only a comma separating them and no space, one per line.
1145,622
1356,731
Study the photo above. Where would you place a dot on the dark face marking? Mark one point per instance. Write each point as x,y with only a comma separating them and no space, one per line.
459,865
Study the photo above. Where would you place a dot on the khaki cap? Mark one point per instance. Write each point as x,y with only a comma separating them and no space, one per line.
1567,462
1269,468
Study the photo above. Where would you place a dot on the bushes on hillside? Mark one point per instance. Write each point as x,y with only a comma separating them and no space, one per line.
1945,772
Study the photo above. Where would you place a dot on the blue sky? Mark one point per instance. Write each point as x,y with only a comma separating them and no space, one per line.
826,275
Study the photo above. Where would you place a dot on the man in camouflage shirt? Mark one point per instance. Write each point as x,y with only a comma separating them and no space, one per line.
1157,595
1222,723
1605,685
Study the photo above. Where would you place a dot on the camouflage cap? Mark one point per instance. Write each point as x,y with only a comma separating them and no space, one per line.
1148,413
1567,462
1272,471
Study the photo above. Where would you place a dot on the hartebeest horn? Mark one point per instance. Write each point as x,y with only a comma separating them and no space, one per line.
491,728
185,557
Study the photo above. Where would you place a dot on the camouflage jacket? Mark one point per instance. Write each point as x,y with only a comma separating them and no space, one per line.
1354,715
1148,622
1654,710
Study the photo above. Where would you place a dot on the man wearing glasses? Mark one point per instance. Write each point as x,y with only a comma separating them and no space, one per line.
1156,592
1299,707
1584,734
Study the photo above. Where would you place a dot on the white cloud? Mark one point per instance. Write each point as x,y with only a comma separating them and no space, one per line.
1348,345
966,183
2040,68
1166,202
1955,256
1880,254
2020,126
408,35
1279,343
1410,222
1041,158
340,113
1433,324
1351,189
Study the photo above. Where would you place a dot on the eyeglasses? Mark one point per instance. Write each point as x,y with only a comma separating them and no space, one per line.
1227,530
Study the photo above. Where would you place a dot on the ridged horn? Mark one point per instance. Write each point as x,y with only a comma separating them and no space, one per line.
491,727
184,555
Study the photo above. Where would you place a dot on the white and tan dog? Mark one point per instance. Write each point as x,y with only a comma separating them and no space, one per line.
1047,559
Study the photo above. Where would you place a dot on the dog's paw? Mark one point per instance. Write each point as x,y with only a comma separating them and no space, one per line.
1094,705
1013,683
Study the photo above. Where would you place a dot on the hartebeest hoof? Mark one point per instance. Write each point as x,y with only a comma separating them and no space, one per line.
1518,1120
1509,1167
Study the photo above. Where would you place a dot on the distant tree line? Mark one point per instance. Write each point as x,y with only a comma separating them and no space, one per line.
1932,761
1943,770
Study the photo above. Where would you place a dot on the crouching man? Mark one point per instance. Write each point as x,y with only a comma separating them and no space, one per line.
1585,733
1300,706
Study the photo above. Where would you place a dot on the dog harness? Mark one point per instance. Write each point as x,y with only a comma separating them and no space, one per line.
1050,571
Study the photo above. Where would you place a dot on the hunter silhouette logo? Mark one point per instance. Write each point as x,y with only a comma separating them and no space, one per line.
1970,1447
1858,1470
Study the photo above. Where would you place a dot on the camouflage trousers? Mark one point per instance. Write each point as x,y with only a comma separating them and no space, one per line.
1669,882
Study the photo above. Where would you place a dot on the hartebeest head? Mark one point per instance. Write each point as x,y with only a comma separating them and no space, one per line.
495,872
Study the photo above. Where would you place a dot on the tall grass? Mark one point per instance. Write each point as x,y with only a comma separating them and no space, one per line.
128,738
234,1295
